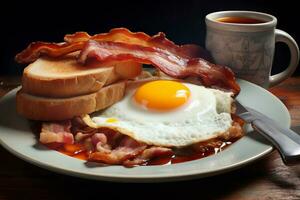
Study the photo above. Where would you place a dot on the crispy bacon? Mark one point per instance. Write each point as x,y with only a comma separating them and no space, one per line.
168,62
37,49
76,41
159,40
116,34
127,149
56,132
111,147
148,154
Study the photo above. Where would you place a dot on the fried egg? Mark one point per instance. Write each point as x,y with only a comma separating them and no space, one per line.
168,113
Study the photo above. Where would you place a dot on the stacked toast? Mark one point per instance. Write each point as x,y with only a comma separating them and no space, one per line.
59,89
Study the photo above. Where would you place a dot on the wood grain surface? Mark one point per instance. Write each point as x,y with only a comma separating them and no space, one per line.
267,178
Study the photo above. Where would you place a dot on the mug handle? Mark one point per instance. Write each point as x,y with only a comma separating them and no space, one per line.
281,36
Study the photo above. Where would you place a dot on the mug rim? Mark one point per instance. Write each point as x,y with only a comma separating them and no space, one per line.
270,23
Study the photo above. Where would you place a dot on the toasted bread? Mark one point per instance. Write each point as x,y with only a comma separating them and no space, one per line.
52,109
64,77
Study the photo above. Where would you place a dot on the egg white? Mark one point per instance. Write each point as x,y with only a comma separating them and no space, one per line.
206,115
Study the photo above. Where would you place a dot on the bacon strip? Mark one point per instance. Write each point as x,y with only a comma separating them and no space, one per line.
148,154
124,35
111,147
127,149
116,35
170,63
59,132
37,49
76,41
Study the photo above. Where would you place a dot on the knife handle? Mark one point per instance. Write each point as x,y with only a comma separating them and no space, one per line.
289,149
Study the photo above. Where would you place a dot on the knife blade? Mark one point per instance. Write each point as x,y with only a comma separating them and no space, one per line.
286,141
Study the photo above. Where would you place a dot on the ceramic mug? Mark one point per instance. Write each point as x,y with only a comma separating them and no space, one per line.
247,47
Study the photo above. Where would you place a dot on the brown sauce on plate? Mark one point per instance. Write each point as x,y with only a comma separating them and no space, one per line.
78,151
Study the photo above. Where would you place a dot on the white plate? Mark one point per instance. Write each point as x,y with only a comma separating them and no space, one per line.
16,137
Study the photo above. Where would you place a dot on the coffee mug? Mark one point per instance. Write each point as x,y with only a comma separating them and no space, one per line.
245,42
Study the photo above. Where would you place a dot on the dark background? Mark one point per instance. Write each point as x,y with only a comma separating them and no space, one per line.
182,21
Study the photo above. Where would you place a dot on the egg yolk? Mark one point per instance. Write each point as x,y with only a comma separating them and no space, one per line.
111,120
162,95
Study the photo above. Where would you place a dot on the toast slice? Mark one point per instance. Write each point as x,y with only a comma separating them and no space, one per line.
64,77
52,109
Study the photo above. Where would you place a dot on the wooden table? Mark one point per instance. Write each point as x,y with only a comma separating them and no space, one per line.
267,178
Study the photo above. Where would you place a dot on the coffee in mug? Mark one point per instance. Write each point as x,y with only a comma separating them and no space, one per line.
245,42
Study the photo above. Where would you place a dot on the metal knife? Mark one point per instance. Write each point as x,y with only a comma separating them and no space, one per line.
286,141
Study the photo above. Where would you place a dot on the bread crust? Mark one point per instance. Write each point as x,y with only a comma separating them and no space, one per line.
53,109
